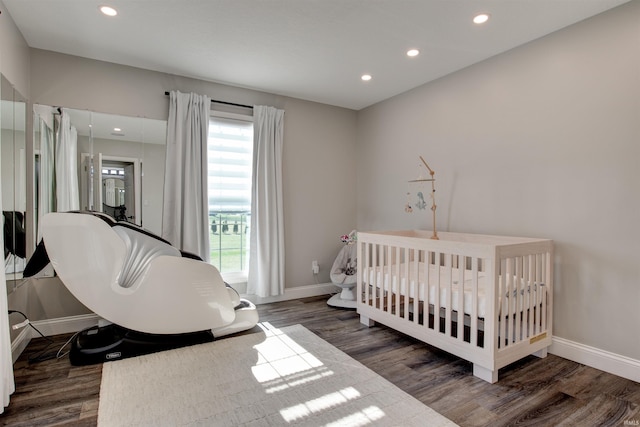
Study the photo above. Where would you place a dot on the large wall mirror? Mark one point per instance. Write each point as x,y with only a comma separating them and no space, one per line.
101,162
13,171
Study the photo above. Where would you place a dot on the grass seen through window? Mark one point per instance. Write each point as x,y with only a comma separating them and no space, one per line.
228,239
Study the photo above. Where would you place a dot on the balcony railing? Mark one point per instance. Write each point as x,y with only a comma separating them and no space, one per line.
229,240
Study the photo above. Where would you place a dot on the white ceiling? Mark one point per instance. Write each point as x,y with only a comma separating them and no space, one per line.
309,49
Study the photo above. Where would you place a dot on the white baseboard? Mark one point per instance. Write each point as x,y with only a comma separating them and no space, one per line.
62,325
296,293
65,325
603,360
20,343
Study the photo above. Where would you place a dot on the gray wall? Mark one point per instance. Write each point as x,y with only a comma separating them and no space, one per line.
541,141
319,148
14,53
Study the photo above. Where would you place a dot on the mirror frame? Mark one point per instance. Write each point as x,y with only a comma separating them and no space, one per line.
13,124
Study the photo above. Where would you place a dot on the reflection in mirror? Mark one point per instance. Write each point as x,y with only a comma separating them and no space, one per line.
118,190
43,137
113,188
120,166
13,170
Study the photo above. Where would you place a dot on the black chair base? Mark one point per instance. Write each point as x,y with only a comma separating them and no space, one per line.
112,342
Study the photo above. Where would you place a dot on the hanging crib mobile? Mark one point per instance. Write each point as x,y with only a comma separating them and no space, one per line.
419,200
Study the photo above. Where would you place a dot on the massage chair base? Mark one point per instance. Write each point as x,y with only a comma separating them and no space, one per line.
112,342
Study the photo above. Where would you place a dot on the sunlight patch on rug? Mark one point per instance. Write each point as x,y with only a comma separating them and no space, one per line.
278,377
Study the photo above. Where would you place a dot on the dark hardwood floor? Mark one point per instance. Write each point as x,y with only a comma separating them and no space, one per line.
533,392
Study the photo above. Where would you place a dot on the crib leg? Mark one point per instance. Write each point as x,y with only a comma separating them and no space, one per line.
485,374
366,321
542,353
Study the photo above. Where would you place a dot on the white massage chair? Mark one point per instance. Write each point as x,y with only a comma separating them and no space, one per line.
153,296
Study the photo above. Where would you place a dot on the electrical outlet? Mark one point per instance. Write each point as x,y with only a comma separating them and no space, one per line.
315,268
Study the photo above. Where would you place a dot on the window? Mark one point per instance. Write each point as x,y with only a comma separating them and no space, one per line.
230,162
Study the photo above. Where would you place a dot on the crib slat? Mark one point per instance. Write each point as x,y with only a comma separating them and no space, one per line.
405,294
389,290
532,287
473,337
435,282
395,272
373,278
396,267
438,289
461,270
376,281
362,270
372,275
383,281
405,288
498,298
365,278
378,289
448,298
539,308
533,293
386,283
548,288
534,308
398,283
518,300
416,285
511,300
425,290
507,302
543,310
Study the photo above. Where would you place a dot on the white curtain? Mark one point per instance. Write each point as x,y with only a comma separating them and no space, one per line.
6,361
67,195
21,181
185,214
45,178
266,257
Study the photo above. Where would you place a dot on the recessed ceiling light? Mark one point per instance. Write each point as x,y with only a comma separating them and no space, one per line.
413,52
366,77
108,10
117,129
481,18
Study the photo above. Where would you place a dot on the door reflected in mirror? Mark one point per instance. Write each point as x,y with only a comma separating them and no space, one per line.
119,179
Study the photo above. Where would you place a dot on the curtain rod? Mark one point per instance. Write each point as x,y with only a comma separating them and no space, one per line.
225,103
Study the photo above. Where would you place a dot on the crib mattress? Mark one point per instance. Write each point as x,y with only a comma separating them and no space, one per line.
374,276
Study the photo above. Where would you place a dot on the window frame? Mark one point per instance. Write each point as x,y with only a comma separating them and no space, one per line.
235,277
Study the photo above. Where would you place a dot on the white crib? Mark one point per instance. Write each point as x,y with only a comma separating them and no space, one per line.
486,299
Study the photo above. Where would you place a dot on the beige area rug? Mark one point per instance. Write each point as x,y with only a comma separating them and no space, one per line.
277,377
